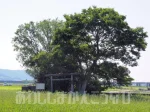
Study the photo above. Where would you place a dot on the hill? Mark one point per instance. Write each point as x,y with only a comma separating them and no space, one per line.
14,75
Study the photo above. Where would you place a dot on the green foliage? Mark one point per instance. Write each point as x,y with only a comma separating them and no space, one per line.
102,43
98,43
33,42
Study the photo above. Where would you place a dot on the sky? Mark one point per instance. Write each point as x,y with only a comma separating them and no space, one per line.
16,12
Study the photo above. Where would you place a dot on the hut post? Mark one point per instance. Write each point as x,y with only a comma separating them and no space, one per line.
72,89
51,83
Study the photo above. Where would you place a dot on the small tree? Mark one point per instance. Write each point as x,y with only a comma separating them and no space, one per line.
33,41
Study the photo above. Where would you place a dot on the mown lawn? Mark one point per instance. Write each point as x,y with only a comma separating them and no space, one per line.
11,100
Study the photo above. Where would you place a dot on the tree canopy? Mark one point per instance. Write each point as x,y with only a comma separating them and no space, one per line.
98,43
34,40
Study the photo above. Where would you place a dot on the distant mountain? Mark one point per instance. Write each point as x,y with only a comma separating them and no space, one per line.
14,75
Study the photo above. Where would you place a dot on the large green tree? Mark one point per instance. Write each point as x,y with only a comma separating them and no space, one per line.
97,36
32,41
97,43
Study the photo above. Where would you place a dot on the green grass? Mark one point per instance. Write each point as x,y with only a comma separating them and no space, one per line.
8,102
131,88
14,87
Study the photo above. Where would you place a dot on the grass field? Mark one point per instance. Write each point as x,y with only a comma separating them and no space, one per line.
45,102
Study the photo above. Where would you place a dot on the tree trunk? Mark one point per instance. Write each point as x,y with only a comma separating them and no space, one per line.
83,87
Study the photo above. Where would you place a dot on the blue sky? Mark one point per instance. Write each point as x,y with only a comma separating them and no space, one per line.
16,12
